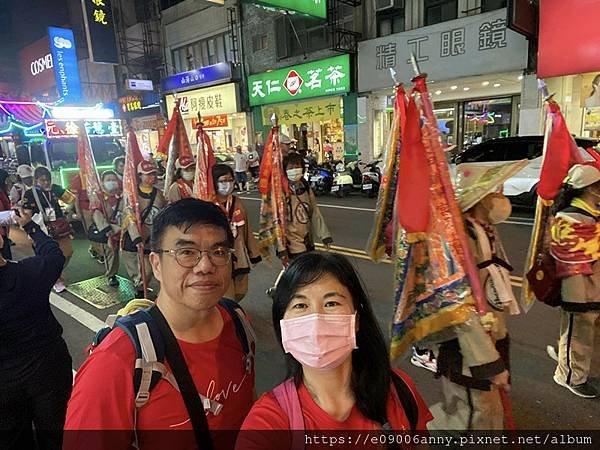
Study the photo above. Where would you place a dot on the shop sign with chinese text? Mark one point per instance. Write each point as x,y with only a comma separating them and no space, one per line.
65,129
130,103
306,111
100,31
208,101
220,121
470,46
315,8
315,79
205,76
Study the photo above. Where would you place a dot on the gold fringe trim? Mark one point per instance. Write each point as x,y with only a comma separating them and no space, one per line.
425,327
413,238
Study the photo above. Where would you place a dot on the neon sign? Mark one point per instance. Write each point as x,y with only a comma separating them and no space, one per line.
66,129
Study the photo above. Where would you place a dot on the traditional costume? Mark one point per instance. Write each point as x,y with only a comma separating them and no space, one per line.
575,246
472,357
182,188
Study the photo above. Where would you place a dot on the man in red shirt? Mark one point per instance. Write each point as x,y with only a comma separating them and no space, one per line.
191,258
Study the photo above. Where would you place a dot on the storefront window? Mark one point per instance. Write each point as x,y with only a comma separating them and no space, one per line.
486,119
437,11
446,119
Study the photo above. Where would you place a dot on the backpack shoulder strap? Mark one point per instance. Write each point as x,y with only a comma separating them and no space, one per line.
149,352
287,397
243,330
407,400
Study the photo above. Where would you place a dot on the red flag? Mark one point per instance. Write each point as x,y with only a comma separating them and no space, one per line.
88,174
413,177
204,188
561,153
174,143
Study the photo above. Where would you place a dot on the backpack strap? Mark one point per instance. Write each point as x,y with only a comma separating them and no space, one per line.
243,330
407,400
286,395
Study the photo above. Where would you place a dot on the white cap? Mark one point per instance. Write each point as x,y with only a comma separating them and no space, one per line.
583,175
284,139
25,171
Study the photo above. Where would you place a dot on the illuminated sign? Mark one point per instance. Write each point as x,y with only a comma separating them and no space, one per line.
36,65
140,85
130,103
315,8
64,56
65,129
219,121
100,31
318,78
81,112
205,76
210,101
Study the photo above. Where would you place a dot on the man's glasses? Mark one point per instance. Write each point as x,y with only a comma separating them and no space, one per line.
190,257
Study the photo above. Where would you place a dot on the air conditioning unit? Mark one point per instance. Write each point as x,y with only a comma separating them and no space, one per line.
382,5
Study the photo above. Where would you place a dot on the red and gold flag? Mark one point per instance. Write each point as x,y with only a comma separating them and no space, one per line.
88,173
274,190
204,188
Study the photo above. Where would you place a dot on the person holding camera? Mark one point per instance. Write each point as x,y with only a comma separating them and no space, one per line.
35,374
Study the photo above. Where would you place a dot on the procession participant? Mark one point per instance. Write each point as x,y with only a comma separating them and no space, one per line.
254,164
183,186
305,223
109,224
285,142
574,246
119,168
151,201
246,248
24,182
35,373
83,211
192,247
43,199
339,377
474,365
241,166
5,205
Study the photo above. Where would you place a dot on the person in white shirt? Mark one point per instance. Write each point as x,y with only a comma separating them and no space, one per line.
241,165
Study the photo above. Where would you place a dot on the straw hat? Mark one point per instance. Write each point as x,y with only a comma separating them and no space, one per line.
474,181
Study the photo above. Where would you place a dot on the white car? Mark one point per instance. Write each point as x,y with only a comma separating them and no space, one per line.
521,188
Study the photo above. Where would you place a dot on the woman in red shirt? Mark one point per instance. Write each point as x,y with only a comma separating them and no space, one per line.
338,366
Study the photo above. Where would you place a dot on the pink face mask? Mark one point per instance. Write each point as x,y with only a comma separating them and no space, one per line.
320,341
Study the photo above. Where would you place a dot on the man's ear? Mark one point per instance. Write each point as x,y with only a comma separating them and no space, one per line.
156,266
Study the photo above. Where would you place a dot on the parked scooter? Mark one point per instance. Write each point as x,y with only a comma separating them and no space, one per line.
371,179
320,178
342,181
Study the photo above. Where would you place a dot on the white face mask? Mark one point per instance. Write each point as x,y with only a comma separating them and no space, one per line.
187,176
110,185
225,188
500,210
294,174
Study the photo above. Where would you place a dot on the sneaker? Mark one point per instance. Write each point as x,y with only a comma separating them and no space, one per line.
585,390
113,281
552,353
424,361
92,253
59,287
100,259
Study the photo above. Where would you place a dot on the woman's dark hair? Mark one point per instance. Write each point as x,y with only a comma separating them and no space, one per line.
564,198
186,213
107,173
293,158
370,361
218,171
40,172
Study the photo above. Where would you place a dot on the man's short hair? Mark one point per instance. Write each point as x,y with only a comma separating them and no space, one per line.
42,171
185,214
